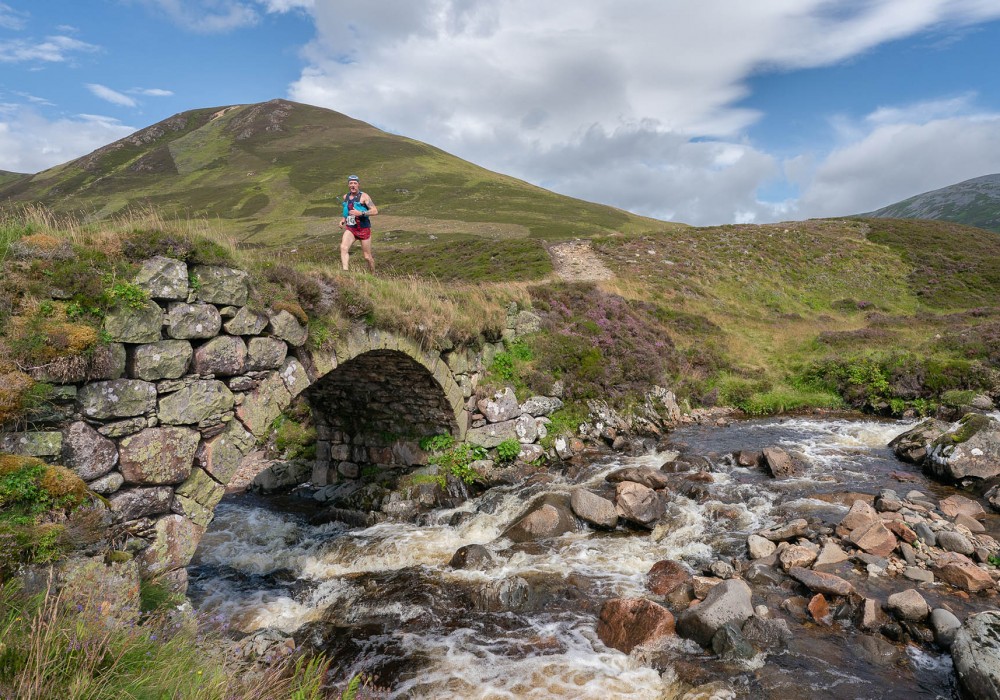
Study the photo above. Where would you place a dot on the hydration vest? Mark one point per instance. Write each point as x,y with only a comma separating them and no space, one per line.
355,200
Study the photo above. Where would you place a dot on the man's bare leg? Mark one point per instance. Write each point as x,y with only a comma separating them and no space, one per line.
366,249
345,248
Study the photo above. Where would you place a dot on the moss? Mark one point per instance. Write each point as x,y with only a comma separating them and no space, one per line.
957,397
294,309
970,424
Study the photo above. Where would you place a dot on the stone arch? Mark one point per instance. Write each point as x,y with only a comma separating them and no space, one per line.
374,397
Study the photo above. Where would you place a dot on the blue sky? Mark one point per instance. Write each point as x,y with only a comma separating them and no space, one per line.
707,111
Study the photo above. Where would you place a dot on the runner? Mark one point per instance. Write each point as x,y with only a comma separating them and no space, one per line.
356,222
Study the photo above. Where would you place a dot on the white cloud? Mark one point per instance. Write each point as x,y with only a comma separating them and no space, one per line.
604,100
206,16
54,49
151,92
11,18
112,96
30,143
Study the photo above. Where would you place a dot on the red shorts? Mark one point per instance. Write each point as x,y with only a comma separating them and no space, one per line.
360,234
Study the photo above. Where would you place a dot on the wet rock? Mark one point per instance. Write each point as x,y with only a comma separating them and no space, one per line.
766,633
971,450
919,575
911,446
819,582
666,576
748,458
762,573
729,644
472,556
779,463
716,690
502,595
908,605
549,516
956,505
722,569
158,456
961,572
647,476
878,651
87,452
945,626
638,504
118,398
830,554
626,623
166,359
729,601
976,654
874,539
760,547
796,556
820,610
222,356
188,321
220,285
789,531
872,617
593,509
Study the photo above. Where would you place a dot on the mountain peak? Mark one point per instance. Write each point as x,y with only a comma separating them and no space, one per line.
974,202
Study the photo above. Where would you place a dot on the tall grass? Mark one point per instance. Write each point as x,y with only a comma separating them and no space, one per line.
49,649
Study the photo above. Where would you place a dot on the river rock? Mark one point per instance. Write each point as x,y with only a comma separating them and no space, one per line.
796,556
729,644
728,601
549,516
541,406
174,543
196,402
129,504
872,617
912,445
819,582
874,539
158,456
285,326
246,322
960,571
593,509
766,632
861,514
638,504
956,505
779,463
789,531
951,541
819,608
265,353
971,450
87,452
163,278
123,324
118,398
666,576
647,476
760,547
908,605
945,626
831,553
501,407
472,557
976,654
166,359
625,623
220,285
222,356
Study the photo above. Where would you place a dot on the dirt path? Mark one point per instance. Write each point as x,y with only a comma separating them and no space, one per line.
576,261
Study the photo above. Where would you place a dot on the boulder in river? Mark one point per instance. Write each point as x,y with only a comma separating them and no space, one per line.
728,601
961,572
549,516
625,623
638,504
912,445
971,450
594,509
666,576
780,464
647,476
976,653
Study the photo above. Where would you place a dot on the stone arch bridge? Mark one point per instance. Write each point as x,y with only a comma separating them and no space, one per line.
158,420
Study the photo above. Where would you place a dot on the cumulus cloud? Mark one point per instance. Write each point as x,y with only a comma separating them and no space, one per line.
53,49
628,102
112,96
29,142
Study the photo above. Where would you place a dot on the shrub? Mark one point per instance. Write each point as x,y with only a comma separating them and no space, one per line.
454,459
14,388
508,450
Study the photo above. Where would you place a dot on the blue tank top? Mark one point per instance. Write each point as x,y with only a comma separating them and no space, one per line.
362,221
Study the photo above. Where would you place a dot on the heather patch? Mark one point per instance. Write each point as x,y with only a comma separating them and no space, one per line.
601,344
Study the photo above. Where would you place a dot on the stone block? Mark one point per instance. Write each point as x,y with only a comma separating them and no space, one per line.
164,278
127,325
158,456
174,543
166,359
87,452
247,322
118,398
285,326
265,353
107,362
196,402
130,504
220,285
220,455
293,374
188,321
107,484
222,356
264,404
33,444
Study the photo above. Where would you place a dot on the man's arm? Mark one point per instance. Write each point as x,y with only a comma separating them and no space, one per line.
367,201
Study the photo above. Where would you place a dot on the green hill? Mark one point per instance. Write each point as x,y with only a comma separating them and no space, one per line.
975,202
273,173
8,178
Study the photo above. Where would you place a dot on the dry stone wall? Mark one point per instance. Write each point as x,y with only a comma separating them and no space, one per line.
193,379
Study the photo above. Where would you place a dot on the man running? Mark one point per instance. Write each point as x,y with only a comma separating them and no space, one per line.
356,222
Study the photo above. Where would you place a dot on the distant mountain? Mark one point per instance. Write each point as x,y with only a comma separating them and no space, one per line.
274,172
7,178
975,202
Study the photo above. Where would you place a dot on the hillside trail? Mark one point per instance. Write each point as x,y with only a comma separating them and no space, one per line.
576,261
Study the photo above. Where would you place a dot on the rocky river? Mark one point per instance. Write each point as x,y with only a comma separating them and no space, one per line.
519,617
